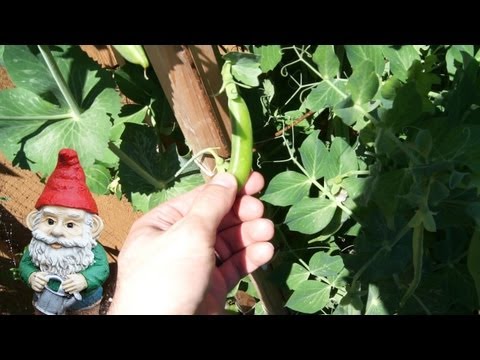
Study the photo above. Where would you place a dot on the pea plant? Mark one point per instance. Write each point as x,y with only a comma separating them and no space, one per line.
371,157
373,176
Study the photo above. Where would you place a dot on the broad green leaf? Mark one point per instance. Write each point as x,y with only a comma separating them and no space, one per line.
326,94
132,83
245,67
287,188
358,53
323,264
341,159
22,105
347,309
298,275
314,155
98,178
152,169
326,60
85,78
28,71
407,107
454,57
140,202
378,245
375,305
363,83
401,57
178,188
352,114
130,113
88,135
270,56
335,224
310,296
465,89
310,215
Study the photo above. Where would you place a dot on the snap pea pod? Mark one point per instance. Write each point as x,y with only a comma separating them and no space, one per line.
134,54
242,136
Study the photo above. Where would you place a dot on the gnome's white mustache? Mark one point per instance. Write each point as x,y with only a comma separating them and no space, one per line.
77,241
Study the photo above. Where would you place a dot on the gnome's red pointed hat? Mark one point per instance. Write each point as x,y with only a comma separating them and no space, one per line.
66,186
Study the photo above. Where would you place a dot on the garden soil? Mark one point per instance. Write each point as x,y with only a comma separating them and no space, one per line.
19,190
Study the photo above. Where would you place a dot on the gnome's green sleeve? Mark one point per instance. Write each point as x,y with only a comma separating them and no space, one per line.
98,272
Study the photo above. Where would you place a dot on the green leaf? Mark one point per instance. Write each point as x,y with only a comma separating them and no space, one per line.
326,60
245,67
178,188
88,135
270,56
341,159
132,83
454,57
287,188
323,264
98,178
28,71
130,113
326,94
375,305
401,57
363,84
311,296
139,144
407,108
85,78
352,114
298,275
310,215
358,53
314,155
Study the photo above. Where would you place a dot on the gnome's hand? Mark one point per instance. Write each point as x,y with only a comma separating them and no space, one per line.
74,283
38,280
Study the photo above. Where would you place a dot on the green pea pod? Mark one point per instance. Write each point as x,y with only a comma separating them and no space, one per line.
242,140
134,54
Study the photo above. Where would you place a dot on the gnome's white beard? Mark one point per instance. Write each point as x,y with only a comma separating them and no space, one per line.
74,256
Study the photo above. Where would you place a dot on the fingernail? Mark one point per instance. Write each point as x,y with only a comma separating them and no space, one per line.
224,179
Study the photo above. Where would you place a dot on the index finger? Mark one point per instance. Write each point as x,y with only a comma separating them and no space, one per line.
183,203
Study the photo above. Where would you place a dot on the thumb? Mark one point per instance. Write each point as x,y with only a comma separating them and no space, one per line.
215,200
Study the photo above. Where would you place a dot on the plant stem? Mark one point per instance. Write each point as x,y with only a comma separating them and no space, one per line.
158,184
57,76
370,261
37,117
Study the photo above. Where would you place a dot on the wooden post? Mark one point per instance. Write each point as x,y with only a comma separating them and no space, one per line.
202,120
190,76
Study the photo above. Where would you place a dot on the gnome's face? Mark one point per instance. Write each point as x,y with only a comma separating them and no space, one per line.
63,239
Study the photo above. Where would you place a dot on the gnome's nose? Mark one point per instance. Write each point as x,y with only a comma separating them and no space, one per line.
57,230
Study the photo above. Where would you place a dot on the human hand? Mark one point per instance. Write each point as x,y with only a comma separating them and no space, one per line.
38,280
74,283
167,264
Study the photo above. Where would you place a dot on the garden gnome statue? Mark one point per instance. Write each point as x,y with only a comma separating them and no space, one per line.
64,264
